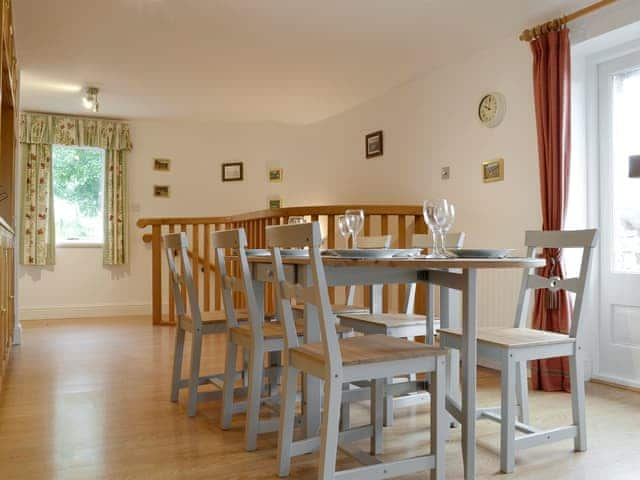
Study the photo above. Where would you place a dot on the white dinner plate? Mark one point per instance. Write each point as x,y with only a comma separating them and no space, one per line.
480,252
289,252
373,252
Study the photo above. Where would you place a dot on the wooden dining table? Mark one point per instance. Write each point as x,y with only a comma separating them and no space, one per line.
456,274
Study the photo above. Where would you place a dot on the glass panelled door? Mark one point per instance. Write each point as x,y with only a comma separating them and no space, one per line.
619,333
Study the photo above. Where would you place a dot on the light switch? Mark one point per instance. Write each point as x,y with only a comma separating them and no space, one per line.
444,173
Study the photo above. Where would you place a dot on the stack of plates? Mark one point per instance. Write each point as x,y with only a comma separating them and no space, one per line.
289,252
480,252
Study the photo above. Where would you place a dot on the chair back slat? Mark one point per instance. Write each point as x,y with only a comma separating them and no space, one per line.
315,294
374,241
236,239
585,240
182,285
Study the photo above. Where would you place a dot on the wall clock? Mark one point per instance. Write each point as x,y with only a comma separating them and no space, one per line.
491,109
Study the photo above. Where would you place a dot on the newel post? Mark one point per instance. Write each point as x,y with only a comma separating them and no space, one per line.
156,274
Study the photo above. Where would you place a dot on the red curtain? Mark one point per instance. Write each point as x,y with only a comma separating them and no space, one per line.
552,93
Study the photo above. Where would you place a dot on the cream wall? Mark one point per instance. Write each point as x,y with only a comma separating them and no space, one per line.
428,123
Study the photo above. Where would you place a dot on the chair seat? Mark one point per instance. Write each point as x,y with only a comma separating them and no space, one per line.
339,309
369,349
275,330
514,337
389,320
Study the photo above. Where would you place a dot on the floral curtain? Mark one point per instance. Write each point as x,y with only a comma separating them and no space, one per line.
38,132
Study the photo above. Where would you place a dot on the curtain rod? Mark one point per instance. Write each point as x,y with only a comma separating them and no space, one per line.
557,23
110,119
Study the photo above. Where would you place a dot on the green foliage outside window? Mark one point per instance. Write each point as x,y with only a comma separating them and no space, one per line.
78,182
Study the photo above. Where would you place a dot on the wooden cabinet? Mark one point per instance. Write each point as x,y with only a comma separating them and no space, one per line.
8,152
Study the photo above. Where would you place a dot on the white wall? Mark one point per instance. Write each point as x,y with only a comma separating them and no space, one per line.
428,123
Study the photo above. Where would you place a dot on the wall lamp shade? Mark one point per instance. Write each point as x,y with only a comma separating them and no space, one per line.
634,166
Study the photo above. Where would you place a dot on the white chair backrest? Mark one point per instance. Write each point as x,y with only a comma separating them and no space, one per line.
425,241
182,284
236,240
534,240
375,241
315,294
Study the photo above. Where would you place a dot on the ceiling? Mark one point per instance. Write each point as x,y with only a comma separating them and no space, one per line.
292,61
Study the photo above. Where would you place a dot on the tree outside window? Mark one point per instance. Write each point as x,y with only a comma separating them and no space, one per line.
78,189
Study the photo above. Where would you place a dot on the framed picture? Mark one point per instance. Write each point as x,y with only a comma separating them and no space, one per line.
374,145
493,170
161,191
162,164
274,203
275,174
232,172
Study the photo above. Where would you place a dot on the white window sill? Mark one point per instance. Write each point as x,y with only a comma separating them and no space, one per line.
79,245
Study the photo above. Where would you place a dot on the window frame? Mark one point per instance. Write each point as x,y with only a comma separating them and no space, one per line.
81,243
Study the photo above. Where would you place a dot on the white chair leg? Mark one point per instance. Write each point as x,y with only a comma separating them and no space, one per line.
329,433
177,364
287,419
453,379
439,417
376,412
388,405
256,370
228,386
576,368
194,378
345,411
522,392
507,414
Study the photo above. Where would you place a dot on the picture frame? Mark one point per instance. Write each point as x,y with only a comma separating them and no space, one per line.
275,175
232,172
161,191
162,164
493,170
274,203
374,144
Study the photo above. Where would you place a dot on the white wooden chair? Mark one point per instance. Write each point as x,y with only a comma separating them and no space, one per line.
197,323
406,324
513,347
256,337
349,307
372,357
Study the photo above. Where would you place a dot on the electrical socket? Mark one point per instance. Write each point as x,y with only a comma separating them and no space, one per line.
445,173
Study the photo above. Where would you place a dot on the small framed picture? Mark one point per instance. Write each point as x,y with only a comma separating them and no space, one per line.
374,145
161,164
275,174
161,191
274,203
232,172
493,170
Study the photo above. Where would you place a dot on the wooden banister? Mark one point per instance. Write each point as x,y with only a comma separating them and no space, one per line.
398,220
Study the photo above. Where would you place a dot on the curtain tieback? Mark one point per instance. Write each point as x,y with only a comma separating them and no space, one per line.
552,293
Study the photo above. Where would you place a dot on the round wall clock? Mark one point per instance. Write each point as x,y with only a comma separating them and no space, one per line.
491,109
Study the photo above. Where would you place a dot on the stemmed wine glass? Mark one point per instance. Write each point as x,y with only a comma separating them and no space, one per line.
355,221
343,228
435,216
449,219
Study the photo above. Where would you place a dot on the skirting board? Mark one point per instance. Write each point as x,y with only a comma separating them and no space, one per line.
83,311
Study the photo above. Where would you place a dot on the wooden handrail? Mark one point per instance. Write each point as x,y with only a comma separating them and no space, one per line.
283,212
398,220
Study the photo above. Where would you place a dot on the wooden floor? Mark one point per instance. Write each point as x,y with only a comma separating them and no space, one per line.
88,399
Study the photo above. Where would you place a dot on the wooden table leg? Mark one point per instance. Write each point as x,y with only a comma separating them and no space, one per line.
311,386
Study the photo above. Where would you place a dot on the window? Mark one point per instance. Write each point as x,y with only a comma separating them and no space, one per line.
78,190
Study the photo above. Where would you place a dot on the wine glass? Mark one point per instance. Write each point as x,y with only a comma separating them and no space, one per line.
434,217
296,220
449,219
355,222
343,228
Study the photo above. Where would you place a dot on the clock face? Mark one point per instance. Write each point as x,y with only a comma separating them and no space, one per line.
491,109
